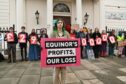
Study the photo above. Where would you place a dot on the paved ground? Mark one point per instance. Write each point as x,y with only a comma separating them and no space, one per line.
99,71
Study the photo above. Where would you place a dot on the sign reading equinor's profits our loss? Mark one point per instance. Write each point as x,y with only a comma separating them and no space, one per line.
60,52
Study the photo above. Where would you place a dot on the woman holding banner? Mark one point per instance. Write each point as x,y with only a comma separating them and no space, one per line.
59,32
33,49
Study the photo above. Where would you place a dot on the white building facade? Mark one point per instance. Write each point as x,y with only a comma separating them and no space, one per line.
101,13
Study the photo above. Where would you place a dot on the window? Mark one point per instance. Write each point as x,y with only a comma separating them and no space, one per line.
61,7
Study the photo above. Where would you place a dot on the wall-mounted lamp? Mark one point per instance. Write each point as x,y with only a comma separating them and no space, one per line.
37,16
86,16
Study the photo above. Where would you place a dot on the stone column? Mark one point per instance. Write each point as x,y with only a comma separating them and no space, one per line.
20,14
50,15
79,12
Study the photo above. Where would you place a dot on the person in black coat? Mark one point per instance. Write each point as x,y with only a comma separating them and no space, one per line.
96,48
111,45
12,40
43,34
23,38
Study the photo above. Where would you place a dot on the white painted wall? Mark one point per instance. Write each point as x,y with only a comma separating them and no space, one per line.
31,7
73,21
87,7
12,12
4,13
96,13
112,6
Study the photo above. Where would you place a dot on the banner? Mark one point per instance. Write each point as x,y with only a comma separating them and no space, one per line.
22,38
60,52
10,37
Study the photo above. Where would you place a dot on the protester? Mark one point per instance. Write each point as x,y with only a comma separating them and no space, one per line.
73,34
33,49
111,44
104,44
120,38
81,35
22,39
88,49
43,34
60,32
12,40
96,48
85,32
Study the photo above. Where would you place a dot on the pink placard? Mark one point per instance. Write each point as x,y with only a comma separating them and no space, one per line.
91,41
10,37
60,52
112,39
104,37
22,38
98,41
84,42
33,40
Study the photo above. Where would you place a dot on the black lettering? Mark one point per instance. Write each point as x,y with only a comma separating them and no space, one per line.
61,44
61,60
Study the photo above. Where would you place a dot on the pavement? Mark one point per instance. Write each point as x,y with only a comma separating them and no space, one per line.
100,71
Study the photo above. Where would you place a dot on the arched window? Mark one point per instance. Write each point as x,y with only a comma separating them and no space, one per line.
61,7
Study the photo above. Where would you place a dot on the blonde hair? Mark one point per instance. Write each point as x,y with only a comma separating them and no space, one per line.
85,28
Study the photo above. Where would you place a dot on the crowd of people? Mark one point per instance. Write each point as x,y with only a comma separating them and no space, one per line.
23,38
88,51
105,48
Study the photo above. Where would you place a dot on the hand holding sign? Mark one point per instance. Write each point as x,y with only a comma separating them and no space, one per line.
104,37
22,38
112,39
33,40
98,41
84,42
91,41
10,37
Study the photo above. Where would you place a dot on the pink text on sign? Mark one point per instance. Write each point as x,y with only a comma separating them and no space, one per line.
33,40
22,38
112,39
91,41
10,37
84,42
98,41
104,37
